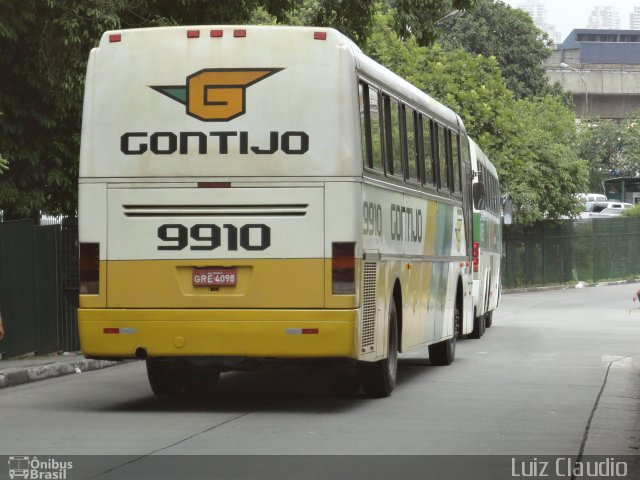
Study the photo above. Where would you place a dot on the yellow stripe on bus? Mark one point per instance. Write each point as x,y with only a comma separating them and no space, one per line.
191,332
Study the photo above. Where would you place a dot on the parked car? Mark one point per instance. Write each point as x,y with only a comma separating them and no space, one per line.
604,209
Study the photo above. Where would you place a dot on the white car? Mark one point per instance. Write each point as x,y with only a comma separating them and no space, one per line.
605,209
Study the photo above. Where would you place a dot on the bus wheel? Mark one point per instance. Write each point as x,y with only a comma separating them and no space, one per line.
164,377
478,327
379,378
488,319
202,382
443,353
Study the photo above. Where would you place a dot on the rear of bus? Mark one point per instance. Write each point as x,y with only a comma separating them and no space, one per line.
487,242
212,162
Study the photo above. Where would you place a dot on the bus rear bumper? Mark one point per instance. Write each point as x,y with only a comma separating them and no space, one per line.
120,333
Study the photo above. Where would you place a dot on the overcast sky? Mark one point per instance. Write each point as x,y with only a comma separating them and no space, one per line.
569,14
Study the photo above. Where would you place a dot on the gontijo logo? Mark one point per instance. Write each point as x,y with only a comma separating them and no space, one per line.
216,94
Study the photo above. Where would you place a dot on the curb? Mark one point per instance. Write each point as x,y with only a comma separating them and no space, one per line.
567,287
20,376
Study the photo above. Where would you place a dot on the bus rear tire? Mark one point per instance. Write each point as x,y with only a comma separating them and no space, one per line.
443,353
164,378
379,378
202,382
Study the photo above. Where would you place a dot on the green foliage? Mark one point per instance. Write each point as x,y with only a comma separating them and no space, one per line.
610,149
632,212
419,19
351,17
495,29
600,144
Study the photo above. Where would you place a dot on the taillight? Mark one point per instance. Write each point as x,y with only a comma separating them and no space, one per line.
476,256
89,268
343,268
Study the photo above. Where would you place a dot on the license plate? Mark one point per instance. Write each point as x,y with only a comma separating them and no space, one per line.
214,277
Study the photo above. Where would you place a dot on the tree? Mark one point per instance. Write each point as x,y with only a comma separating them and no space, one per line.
419,19
495,29
601,145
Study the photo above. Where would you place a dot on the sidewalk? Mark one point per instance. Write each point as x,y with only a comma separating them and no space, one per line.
16,371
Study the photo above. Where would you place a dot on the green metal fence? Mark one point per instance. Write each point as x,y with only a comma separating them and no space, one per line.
38,287
566,251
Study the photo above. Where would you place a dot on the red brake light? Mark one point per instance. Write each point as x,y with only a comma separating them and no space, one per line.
240,33
115,37
214,184
319,35
216,33
476,256
193,33
89,268
343,268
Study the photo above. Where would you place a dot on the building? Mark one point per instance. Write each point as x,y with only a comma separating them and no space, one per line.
601,68
604,18
599,46
634,19
538,13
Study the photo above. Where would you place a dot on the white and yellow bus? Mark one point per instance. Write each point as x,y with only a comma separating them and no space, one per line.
487,242
253,194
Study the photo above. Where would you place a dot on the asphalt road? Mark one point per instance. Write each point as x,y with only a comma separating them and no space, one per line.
528,387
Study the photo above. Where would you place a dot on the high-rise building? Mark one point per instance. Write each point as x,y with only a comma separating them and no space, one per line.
634,19
604,17
538,12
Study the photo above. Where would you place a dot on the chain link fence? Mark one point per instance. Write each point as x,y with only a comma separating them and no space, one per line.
554,252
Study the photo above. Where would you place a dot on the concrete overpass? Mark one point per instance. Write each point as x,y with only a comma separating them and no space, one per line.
600,90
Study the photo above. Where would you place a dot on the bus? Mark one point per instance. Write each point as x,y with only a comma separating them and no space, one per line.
260,195
487,242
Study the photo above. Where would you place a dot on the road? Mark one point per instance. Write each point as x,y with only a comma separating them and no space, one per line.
528,387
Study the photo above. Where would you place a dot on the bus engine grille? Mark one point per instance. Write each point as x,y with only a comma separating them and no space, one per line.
369,306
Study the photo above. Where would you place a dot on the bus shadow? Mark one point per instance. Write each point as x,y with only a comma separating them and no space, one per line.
284,389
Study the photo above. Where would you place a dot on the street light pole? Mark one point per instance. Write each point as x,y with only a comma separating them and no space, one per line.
584,82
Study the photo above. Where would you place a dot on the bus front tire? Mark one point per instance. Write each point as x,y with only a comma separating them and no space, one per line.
164,378
488,319
379,378
478,327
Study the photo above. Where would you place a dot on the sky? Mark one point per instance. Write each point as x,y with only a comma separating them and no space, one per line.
569,14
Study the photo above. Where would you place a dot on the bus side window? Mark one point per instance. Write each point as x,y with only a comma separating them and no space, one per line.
413,172
455,156
365,125
427,151
392,123
377,151
443,179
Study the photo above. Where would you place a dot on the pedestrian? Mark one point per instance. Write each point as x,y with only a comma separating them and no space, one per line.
636,296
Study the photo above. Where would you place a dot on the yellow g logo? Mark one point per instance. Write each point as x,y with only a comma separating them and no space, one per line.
216,94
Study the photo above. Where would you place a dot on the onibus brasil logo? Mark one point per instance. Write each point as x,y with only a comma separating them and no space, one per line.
216,94
32,468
